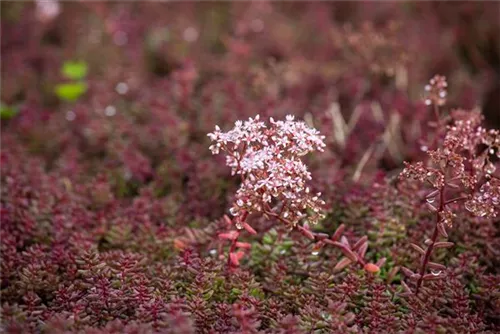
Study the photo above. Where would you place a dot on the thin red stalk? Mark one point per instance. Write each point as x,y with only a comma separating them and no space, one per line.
436,113
231,250
270,213
359,259
430,248
438,122
283,208
456,199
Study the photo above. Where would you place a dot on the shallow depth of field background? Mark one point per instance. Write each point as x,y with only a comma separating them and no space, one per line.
112,202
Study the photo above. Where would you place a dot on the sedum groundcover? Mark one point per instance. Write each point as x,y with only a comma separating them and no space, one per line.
250,167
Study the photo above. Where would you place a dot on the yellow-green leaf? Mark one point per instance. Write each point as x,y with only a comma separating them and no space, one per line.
71,91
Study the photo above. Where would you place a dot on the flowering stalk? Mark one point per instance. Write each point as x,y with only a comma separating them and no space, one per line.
274,182
455,167
430,248
273,178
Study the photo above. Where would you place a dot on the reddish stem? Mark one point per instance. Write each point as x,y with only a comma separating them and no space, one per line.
231,250
453,200
430,248
289,223
436,113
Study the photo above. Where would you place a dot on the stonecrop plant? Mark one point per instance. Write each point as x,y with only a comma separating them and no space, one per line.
274,183
273,175
459,173
116,217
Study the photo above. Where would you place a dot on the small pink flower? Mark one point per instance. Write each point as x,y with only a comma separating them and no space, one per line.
274,178
47,10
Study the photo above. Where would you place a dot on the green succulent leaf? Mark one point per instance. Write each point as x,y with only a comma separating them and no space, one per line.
7,112
75,70
71,91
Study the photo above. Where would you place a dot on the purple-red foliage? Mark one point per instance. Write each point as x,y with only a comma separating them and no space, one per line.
113,209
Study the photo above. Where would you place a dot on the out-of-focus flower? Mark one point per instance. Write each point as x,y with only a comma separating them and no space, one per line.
485,202
436,91
47,10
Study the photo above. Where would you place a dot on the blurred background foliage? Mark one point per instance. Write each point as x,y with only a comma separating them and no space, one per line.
111,200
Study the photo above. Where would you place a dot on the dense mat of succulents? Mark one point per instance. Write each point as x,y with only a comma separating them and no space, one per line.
117,218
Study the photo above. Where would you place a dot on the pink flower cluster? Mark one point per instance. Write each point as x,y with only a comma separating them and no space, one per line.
436,91
47,10
485,202
273,177
462,165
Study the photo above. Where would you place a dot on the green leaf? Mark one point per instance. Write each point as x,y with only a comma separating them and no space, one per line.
208,294
257,293
270,237
7,112
235,292
71,91
267,239
74,70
